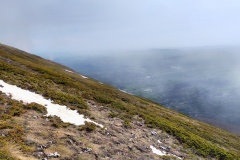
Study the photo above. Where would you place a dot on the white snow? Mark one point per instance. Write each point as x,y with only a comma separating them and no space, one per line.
68,71
124,91
162,153
73,72
159,142
66,114
84,76
157,151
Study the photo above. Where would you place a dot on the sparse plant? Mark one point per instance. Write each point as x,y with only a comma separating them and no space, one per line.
36,107
57,122
89,127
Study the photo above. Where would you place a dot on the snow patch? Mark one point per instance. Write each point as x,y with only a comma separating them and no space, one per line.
67,115
73,72
157,151
124,91
84,76
68,71
162,153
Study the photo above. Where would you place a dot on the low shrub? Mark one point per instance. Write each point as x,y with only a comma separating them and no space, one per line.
89,127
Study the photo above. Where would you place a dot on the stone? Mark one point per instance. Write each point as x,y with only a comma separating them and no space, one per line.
142,148
154,133
87,150
53,155
130,147
38,154
168,149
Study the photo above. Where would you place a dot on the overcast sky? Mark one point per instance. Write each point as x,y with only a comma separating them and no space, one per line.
78,26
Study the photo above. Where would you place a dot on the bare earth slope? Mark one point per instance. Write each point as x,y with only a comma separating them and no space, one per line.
134,128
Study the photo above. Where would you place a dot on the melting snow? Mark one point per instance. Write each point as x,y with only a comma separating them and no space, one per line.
66,114
73,72
157,151
162,153
83,76
68,71
124,91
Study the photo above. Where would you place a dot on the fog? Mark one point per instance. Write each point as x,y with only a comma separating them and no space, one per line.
95,37
83,26
203,83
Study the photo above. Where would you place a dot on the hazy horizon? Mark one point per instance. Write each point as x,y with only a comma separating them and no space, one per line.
90,27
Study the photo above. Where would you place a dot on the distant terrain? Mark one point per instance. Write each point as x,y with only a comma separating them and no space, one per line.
203,83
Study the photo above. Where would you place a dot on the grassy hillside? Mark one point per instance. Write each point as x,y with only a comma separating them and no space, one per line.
52,81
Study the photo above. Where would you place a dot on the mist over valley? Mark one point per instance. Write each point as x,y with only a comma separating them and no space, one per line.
203,83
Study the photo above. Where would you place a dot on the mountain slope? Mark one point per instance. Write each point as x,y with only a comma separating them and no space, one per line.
132,125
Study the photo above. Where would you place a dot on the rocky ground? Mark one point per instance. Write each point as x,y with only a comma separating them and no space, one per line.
114,141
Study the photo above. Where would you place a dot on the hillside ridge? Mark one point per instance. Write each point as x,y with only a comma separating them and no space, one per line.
134,127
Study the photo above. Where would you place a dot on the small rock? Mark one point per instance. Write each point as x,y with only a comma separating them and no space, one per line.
133,135
38,154
130,147
142,148
139,123
168,149
54,155
154,133
35,117
164,148
50,155
39,149
87,150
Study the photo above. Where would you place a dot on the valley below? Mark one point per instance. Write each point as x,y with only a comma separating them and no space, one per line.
203,83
